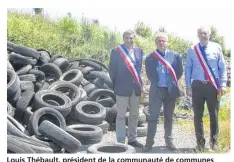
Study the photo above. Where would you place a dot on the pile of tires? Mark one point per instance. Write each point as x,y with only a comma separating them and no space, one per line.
55,104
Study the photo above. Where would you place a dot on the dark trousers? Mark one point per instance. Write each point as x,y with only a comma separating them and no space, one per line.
158,97
201,93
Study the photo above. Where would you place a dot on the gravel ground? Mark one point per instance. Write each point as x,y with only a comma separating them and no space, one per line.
185,141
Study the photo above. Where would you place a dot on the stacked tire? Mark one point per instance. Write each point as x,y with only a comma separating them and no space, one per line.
54,104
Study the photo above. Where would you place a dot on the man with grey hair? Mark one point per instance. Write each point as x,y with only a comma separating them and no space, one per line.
125,69
163,68
205,76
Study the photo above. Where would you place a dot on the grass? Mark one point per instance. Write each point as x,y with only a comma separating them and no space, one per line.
224,123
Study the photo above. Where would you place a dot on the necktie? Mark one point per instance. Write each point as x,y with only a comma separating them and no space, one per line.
204,54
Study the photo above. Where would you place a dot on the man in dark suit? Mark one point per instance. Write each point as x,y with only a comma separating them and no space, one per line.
206,77
124,69
163,68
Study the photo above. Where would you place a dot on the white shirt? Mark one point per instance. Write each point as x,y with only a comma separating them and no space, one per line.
131,53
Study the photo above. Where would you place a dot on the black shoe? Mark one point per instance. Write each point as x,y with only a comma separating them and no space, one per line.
170,146
199,148
146,148
135,144
214,147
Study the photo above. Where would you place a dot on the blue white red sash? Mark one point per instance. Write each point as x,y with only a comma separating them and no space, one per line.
205,67
166,64
130,65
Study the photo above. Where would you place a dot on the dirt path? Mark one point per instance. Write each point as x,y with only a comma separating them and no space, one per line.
184,140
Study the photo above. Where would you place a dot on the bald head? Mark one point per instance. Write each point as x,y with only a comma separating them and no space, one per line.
204,28
203,34
161,34
161,41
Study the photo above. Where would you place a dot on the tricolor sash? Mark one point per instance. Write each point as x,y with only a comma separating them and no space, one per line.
208,72
130,65
166,64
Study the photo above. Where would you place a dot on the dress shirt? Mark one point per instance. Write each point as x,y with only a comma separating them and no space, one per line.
131,53
162,71
214,55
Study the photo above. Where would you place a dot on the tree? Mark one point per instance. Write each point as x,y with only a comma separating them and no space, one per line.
38,10
218,39
143,30
162,29
69,14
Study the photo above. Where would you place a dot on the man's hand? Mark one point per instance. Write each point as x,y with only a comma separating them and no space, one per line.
189,92
222,91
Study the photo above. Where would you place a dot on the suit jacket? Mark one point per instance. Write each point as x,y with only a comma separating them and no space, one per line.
122,79
175,60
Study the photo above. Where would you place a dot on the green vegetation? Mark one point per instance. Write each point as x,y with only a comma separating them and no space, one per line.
67,36
78,38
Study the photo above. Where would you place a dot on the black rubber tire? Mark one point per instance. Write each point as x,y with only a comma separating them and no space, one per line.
25,100
106,102
44,140
83,96
86,70
22,60
84,82
103,93
10,109
9,66
59,136
13,146
24,70
28,77
13,87
74,76
73,65
93,60
13,99
13,130
44,57
13,83
86,134
45,86
36,145
62,63
89,88
51,71
104,126
54,57
101,148
111,115
14,127
26,85
45,98
25,51
73,91
45,113
40,76
16,123
99,83
102,75
27,114
92,64
10,46
38,86
90,112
